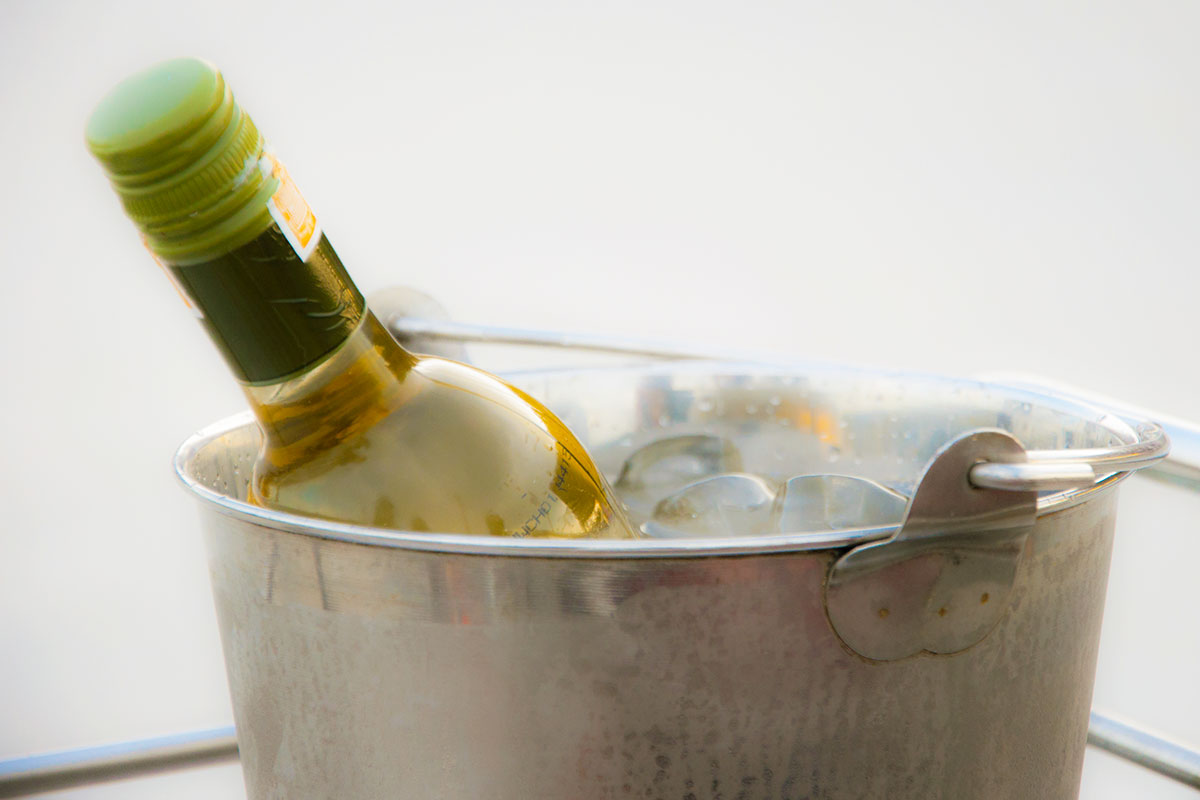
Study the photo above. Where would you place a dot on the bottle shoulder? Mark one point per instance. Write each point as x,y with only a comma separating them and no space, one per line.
465,452
444,374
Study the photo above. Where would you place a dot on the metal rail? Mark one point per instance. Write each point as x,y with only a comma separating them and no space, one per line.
23,777
1146,749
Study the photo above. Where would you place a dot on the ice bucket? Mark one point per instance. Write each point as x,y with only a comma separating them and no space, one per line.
947,654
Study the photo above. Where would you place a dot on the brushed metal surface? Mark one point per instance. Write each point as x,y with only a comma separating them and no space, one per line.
363,672
366,664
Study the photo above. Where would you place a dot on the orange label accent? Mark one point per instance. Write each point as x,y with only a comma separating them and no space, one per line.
292,213
183,295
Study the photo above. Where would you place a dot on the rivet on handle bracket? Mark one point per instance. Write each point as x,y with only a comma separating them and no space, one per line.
943,581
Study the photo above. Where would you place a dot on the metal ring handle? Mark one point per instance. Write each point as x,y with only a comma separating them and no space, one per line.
1056,470
1032,476
1181,466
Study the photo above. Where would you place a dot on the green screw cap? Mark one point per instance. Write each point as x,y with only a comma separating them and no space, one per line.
185,160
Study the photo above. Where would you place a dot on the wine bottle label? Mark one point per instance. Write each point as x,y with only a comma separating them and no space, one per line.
290,211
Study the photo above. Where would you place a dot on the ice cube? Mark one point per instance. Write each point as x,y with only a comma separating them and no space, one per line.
722,505
814,503
667,465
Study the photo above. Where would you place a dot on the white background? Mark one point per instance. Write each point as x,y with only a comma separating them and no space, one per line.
949,186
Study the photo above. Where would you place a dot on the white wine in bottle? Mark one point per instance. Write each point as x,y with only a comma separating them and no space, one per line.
355,428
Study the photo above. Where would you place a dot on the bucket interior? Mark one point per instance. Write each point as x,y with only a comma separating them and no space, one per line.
884,427
880,426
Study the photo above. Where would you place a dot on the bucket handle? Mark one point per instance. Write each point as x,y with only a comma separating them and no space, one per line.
1069,471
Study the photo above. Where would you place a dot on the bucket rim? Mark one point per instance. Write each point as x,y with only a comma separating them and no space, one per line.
466,544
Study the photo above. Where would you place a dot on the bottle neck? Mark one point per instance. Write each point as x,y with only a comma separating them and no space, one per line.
362,381
315,364
271,313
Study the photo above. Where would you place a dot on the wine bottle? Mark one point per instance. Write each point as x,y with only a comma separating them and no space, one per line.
354,427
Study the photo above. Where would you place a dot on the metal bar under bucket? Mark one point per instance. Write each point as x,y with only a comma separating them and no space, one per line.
23,777
1134,743
50,772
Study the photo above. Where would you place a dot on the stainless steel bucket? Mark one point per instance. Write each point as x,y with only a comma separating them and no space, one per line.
373,664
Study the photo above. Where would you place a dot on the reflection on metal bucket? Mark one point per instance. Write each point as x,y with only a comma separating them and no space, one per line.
367,663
